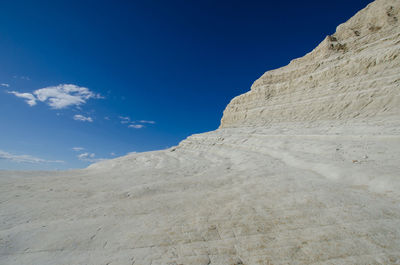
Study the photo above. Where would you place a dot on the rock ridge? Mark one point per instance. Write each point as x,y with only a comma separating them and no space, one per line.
350,74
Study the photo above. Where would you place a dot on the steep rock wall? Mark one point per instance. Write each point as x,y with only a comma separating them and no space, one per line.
354,73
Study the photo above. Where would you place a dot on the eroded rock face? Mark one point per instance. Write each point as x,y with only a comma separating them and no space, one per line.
352,73
315,186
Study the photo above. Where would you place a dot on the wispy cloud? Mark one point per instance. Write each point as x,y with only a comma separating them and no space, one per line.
89,157
86,156
77,149
59,97
21,77
25,158
125,120
79,117
29,98
5,85
149,122
136,126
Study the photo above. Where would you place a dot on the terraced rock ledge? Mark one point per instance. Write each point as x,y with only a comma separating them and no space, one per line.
304,169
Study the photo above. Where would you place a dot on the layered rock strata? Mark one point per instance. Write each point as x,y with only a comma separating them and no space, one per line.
353,73
304,170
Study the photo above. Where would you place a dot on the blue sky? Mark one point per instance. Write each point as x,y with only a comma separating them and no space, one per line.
87,80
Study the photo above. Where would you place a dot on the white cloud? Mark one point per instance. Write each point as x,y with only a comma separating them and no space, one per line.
22,77
112,154
29,98
78,149
5,85
89,157
25,158
65,95
79,117
136,126
125,120
149,122
59,97
86,156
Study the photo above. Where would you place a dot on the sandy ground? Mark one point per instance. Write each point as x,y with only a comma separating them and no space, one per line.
323,193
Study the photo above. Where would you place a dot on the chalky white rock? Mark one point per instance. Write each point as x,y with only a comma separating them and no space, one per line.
304,169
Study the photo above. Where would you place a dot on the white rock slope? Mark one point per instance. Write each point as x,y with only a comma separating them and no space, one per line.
303,170
353,73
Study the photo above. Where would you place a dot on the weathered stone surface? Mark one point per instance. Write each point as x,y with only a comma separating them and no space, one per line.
353,73
304,170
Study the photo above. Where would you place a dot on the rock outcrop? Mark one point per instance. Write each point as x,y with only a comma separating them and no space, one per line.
353,73
303,170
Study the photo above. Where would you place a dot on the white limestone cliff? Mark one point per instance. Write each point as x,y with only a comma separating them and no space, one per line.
304,169
353,73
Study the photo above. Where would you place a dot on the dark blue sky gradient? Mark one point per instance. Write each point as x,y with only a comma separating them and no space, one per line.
178,63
